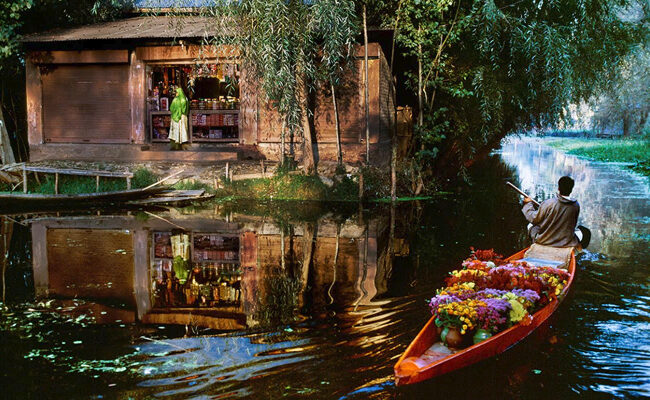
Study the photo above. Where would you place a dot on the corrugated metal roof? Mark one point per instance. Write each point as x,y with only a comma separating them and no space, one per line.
144,4
149,27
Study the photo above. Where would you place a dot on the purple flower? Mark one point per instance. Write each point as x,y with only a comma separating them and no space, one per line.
529,295
491,292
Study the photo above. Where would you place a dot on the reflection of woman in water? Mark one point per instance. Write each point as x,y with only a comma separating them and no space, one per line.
178,126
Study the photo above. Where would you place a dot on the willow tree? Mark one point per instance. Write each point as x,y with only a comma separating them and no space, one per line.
292,48
483,69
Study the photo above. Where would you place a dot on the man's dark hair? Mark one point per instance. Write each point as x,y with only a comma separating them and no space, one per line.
565,184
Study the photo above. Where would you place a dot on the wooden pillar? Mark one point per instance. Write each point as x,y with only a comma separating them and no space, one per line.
34,95
137,93
56,183
128,183
97,183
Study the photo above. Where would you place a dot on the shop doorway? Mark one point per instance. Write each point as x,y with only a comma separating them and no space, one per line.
214,97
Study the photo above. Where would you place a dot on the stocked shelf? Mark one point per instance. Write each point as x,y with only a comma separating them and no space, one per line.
214,125
159,124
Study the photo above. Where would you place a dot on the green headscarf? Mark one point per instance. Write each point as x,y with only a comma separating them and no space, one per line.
179,106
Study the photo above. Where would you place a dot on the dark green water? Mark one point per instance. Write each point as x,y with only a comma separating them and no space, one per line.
84,319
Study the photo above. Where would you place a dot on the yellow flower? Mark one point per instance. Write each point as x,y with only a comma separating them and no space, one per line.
464,327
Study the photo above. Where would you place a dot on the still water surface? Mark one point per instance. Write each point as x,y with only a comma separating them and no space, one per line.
90,313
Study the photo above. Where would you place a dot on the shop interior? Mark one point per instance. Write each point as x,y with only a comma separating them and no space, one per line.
213,94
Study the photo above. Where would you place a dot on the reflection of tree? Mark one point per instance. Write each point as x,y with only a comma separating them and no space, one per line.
278,300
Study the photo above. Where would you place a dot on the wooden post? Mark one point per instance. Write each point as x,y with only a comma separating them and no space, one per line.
365,60
24,179
227,170
97,183
128,183
56,183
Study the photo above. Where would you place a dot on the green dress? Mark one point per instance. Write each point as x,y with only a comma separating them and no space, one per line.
178,127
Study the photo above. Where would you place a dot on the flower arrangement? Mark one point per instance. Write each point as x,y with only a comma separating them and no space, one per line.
489,294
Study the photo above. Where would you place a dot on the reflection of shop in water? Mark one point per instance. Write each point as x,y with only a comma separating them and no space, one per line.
213,93
196,269
214,273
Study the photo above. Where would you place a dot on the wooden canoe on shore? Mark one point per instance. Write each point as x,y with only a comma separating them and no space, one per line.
426,357
14,201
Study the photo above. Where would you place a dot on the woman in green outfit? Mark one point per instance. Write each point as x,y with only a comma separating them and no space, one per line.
178,127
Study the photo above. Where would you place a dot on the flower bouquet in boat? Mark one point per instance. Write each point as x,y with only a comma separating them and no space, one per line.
488,305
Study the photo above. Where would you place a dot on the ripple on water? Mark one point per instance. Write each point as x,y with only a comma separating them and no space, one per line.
191,365
617,359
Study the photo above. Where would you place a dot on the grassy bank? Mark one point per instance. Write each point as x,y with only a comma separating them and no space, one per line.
342,187
608,150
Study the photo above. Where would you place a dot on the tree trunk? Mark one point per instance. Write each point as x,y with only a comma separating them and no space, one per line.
366,95
6,152
338,129
395,30
308,157
393,170
283,154
420,100
393,154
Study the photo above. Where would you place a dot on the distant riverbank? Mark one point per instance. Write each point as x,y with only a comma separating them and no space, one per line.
635,152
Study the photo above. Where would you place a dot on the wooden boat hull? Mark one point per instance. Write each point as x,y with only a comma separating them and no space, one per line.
11,201
408,372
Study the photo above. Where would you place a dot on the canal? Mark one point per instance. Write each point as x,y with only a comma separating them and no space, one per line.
297,300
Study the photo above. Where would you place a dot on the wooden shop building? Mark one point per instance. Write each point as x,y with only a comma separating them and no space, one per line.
102,92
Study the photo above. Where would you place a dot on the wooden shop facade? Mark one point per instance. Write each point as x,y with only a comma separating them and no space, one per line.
103,92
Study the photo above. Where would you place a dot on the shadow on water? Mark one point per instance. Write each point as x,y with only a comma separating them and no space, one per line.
303,300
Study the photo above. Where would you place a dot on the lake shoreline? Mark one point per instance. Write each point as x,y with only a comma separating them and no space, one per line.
631,153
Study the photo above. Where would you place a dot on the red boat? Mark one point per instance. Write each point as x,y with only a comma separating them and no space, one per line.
426,357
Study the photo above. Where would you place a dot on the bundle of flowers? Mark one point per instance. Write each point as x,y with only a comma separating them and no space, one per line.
490,295
492,310
547,282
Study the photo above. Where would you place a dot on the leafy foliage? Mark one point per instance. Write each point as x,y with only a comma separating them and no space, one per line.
628,97
493,67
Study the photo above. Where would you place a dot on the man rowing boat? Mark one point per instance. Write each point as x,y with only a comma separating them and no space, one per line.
554,223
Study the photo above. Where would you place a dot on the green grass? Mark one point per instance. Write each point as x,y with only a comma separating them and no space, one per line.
190,184
608,150
73,184
279,187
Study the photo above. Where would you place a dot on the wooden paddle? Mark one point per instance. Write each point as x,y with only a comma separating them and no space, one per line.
521,192
585,232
